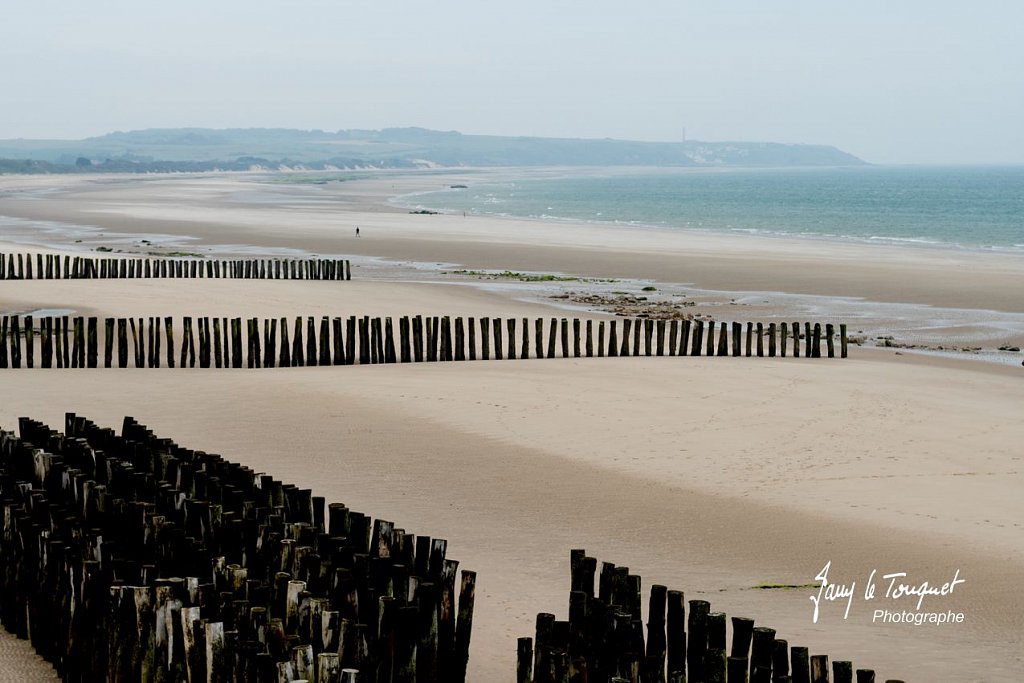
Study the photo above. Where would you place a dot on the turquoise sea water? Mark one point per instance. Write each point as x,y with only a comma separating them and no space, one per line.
960,207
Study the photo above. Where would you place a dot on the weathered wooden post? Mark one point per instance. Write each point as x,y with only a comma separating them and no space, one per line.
46,333
816,347
298,346
325,342
169,334
122,343
723,340
760,340
471,328
675,631
460,339
311,346
524,351
216,343
446,339
236,342
431,339
819,667
404,335
783,333
842,671
552,337
485,338
830,342
761,651
771,340
842,340
698,338
30,347
600,339
697,639
627,326
417,335
511,325
496,322
613,342
464,624
660,334
538,337
684,338
284,359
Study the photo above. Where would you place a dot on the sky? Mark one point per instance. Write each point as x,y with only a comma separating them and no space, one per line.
893,81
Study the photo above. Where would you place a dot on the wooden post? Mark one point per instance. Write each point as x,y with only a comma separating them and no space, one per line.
311,346
122,343
431,339
613,344
446,340
298,348
761,650
771,340
660,333
552,337
471,341
698,337
697,639
216,343
842,341
284,359
865,676
404,336
485,338
627,325
711,338
816,347
511,328
496,322
636,337
684,339
830,342
524,351
723,340
676,633
783,333
800,670
417,335
169,334
538,337
325,341
524,660
760,340
819,669
648,336
108,342
464,624
46,331
842,672
460,339
600,339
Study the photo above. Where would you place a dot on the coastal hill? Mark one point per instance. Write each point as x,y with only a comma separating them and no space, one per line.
198,149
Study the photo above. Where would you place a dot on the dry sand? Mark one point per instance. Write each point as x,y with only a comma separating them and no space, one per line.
709,475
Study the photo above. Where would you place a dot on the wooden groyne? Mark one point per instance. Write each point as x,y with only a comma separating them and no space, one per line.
151,342
66,267
603,641
130,558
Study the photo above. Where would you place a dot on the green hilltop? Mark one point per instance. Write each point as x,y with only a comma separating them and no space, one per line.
198,149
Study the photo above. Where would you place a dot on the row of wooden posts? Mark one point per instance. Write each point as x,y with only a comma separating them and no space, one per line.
130,558
602,641
56,267
66,342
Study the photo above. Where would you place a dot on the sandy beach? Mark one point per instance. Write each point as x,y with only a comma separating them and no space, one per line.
709,475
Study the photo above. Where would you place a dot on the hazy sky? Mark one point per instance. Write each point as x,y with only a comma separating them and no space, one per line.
891,81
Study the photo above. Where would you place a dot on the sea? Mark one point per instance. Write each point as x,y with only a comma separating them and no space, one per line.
958,207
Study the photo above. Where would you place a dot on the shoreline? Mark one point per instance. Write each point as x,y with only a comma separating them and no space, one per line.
710,475
404,202
902,288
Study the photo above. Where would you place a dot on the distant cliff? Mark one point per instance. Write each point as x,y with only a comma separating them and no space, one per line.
199,149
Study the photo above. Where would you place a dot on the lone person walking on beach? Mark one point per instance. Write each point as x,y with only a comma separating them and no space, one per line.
357,231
